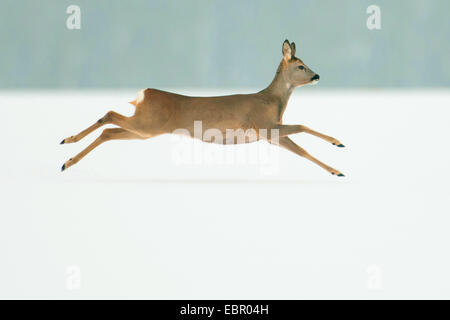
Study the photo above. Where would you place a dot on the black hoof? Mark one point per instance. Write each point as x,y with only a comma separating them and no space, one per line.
62,142
340,175
63,167
341,145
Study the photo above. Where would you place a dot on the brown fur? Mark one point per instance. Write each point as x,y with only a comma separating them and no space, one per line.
160,112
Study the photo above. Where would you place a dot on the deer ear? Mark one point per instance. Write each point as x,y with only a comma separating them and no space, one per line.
287,53
293,49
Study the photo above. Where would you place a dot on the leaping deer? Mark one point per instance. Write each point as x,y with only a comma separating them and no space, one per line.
159,112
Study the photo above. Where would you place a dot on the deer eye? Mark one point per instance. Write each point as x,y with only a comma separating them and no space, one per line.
301,67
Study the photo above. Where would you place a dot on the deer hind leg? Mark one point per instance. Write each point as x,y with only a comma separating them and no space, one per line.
285,130
111,117
288,144
107,135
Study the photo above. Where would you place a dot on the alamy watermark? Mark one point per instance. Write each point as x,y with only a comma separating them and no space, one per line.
73,21
373,21
73,277
374,277
188,152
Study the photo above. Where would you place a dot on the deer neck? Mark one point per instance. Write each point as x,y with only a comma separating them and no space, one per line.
280,89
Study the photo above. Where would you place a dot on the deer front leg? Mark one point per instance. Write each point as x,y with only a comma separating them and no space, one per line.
285,130
110,117
288,144
107,134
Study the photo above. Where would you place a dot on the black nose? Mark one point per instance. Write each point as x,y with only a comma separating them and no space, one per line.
316,77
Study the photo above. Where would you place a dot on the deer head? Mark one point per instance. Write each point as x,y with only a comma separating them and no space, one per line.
295,72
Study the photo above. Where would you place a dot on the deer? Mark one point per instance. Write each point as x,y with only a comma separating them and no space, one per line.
159,112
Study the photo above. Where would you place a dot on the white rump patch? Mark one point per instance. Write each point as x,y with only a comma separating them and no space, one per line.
139,99
140,96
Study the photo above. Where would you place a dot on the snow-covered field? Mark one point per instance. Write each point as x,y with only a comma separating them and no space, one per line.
131,221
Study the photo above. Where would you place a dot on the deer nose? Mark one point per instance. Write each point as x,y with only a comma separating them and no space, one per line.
316,77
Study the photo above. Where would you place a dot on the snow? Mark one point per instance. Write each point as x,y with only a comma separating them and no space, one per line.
132,221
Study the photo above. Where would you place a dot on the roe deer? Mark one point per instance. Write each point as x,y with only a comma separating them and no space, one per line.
159,112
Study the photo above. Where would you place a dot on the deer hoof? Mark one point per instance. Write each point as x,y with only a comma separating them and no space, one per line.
67,164
71,139
337,173
340,145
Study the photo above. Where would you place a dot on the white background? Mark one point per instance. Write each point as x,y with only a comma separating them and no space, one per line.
137,225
